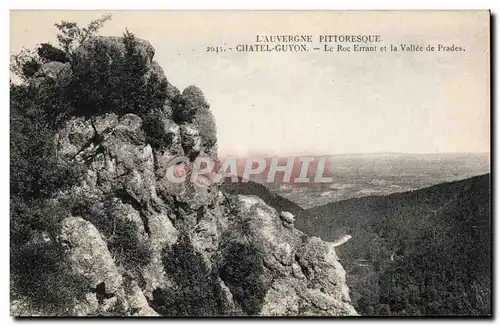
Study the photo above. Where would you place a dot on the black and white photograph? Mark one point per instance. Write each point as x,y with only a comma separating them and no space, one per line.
240,163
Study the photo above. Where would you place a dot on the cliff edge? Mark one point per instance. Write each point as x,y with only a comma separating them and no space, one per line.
147,246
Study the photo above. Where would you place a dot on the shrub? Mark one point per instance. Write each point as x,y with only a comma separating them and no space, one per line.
195,292
118,85
241,271
125,246
35,176
55,99
155,131
194,97
41,274
207,127
134,68
25,64
71,36
231,201
30,67
154,95
98,84
48,52
180,111
40,271
187,104
35,171
121,235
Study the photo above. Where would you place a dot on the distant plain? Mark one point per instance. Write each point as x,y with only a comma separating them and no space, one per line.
356,176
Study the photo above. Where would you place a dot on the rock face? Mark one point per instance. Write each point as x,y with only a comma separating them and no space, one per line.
55,72
149,246
298,275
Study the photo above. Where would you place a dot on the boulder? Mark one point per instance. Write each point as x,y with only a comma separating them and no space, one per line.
191,140
89,257
53,73
287,217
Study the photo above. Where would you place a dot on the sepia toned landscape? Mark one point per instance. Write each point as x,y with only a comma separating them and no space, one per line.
342,170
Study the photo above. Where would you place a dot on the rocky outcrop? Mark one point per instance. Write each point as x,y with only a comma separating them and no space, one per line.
149,246
52,73
298,275
111,50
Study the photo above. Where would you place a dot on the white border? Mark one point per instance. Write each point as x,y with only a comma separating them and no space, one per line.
256,4
190,4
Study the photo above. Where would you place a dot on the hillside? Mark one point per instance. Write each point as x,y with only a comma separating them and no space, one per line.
424,252
99,228
270,198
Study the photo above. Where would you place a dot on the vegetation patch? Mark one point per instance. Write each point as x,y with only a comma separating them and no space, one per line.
195,290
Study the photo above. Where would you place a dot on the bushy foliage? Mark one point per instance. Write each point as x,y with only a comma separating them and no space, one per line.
180,111
241,269
231,201
241,273
425,252
35,171
121,235
145,98
154,128
207,127
188,103
40,272
195,291
121,87
123,243
25,64
192,107
194,97
54,97
47,53
71,36
43,277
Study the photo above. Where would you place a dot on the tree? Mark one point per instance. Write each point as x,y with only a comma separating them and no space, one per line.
71,35
27,62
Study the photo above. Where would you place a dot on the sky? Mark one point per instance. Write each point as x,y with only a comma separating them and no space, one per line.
316,102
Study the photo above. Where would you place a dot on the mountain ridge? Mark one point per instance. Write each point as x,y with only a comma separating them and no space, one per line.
444,228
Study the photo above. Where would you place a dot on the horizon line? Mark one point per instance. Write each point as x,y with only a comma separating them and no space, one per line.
255,154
